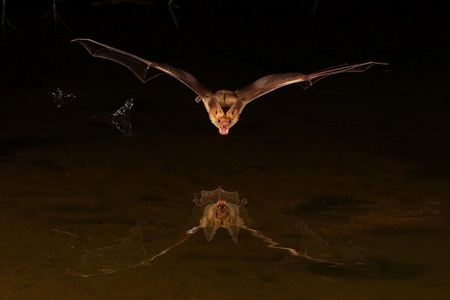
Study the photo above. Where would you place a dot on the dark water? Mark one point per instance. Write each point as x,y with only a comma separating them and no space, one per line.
361,159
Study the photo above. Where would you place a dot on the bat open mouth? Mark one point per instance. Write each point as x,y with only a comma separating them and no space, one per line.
223,130
224,126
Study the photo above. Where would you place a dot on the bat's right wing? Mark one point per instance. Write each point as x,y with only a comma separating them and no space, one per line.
272,82
145,70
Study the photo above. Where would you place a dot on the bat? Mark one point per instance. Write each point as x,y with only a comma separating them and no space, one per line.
215,103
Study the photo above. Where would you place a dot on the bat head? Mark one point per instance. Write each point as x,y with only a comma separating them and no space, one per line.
218,117
221,212
224,125
224,121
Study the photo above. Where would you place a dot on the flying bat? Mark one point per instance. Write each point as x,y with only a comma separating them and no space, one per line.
216,102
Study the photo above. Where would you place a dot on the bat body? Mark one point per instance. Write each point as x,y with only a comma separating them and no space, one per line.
216,102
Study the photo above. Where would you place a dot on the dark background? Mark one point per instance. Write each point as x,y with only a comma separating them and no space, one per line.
362,159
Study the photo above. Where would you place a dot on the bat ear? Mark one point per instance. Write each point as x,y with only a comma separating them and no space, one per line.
235,110
217,113
214,108
232,114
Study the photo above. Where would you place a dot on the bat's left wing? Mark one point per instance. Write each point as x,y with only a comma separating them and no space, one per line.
270,83
145,70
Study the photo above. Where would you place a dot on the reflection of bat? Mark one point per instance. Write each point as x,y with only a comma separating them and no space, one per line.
214,102
219,208
215,209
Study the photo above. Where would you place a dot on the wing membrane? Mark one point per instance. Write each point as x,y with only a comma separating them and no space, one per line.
145,70
272,82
